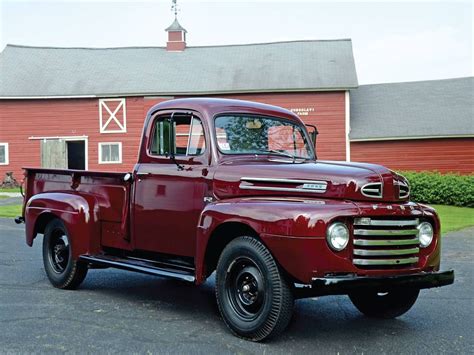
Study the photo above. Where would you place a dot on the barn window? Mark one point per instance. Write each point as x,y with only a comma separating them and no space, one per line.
3,153
112,116
110,153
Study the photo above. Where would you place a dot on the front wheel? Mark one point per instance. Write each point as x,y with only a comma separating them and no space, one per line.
385,305
254,298
61,269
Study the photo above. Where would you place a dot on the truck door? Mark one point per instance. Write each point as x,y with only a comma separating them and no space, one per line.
169,195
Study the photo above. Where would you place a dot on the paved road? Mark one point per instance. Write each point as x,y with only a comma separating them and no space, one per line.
118,311
11,201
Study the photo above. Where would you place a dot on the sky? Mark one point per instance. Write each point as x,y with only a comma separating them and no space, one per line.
392,41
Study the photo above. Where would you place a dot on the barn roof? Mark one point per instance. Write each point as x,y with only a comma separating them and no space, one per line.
421,109
267,67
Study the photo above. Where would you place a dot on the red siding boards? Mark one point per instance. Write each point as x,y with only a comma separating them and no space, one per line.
21,120
443,155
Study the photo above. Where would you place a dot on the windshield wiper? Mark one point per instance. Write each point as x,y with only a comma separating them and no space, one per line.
294,157
288,155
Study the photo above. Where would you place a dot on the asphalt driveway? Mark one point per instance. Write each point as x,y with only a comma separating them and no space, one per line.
119,311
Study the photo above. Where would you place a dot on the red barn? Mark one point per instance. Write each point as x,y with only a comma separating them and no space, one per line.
423,125
84,108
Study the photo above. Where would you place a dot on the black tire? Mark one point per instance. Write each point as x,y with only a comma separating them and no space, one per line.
253,297
62,271
384,305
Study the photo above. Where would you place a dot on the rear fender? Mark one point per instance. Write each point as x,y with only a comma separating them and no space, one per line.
79,212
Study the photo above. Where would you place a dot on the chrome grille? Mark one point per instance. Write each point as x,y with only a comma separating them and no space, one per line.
381,243
372,190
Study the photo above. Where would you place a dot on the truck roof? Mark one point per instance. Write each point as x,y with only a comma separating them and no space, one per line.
213,106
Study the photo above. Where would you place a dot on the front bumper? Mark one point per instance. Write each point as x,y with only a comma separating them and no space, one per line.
342,285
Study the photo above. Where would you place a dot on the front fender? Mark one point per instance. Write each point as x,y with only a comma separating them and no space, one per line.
301,222
79,212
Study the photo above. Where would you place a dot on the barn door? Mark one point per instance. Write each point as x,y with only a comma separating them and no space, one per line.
53,154
76,155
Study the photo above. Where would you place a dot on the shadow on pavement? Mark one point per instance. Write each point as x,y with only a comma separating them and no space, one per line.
326,318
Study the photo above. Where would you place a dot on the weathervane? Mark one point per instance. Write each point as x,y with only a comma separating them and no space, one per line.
174,8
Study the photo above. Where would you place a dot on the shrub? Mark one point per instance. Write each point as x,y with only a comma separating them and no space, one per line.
444,189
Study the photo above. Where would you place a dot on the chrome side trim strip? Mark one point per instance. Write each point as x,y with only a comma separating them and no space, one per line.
283,181
295,181
385,261
315,186
385,232
281,189
386,242
386,223
364,252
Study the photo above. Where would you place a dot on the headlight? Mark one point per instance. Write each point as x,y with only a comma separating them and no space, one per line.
337,236
425,234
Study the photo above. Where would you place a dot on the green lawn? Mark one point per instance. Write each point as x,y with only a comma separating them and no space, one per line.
452,218
10,211
16,189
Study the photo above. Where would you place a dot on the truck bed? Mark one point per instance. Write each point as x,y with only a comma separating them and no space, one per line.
108,188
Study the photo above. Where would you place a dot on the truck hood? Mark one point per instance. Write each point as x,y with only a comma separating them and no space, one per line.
320,179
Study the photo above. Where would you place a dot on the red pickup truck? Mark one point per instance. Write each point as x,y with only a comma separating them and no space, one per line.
235,188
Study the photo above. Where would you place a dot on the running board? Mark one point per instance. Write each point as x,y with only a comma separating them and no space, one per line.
141,265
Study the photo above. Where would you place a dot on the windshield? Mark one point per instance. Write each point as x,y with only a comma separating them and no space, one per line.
248,134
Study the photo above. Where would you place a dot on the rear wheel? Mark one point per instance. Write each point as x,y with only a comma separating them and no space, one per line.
386,305
62,271
254,298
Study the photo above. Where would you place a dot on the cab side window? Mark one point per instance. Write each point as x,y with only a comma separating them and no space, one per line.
188,136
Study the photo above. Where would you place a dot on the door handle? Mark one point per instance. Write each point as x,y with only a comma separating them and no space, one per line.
141,176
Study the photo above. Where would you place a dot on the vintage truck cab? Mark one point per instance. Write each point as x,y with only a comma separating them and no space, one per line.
235,188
